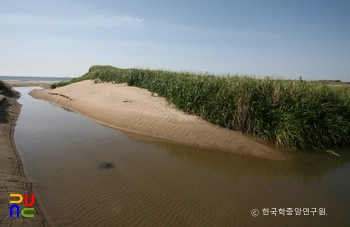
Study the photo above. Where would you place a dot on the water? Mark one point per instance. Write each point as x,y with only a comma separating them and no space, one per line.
164,184
34,79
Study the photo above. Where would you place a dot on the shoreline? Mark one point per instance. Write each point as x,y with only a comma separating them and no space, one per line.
29,84
12,177
135,110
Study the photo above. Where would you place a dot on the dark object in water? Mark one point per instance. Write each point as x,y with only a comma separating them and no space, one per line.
106,165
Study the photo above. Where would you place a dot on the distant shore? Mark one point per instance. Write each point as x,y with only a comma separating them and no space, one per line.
136,110
29,84
12,178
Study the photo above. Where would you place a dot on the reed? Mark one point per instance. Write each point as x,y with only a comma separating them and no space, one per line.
291,114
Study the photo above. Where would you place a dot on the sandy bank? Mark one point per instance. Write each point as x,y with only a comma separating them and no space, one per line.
12,178
28,84
136,110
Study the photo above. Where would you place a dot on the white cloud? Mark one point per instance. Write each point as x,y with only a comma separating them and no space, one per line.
128,18
82,21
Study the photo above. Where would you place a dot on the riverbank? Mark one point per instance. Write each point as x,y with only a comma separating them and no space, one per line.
12,178
29,84
135,110
297,115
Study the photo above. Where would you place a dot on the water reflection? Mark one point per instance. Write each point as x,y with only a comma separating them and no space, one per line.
305,166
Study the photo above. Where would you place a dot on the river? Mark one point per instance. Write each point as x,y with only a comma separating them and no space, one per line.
156,183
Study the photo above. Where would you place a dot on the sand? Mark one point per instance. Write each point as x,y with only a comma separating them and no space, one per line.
29,84
12,178
136,110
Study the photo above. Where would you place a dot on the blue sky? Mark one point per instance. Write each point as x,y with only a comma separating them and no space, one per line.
288,39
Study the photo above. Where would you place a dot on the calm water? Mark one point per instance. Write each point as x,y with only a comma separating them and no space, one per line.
34,79
163,184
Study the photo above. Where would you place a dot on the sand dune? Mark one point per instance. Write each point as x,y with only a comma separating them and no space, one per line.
136,110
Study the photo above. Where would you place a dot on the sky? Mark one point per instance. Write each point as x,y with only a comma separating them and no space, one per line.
285,39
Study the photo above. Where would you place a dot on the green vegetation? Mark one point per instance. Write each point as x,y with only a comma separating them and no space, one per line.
291,114
59,84
4,88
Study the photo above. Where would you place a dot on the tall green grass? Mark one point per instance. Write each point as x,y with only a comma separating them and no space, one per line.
4,88
291,114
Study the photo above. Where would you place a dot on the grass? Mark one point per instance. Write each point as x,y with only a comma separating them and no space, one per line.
290,114
4,88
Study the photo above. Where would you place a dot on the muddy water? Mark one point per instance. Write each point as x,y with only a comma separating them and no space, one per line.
162,184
